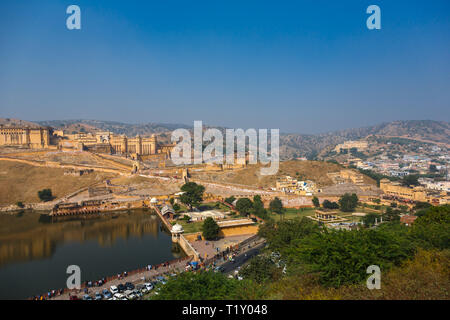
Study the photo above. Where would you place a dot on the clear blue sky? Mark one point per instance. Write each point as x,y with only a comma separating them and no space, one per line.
301,66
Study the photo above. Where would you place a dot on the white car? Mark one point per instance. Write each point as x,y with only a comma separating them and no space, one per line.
114,290
148,286
130,295
119,296
144,290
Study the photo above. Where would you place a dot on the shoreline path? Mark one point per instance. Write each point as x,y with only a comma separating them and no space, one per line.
135,278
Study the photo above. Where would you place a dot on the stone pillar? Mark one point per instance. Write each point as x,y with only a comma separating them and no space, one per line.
139,145
123,148
153,144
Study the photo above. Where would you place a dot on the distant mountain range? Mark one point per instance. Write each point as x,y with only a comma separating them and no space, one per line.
429,131
291,145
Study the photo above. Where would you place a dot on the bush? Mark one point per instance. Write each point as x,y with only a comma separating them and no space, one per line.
432,229
198,286
327,204
342,257
280,235
261,269
45,195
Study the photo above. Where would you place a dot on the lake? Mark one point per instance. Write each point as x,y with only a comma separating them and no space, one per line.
34,255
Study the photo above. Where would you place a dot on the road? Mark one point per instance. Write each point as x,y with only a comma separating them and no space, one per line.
242,257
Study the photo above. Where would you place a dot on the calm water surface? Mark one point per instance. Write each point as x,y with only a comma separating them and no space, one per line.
34,255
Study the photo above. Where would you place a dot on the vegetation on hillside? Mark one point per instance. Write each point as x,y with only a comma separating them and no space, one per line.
304,260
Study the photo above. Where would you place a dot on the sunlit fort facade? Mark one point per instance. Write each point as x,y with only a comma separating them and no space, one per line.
101,142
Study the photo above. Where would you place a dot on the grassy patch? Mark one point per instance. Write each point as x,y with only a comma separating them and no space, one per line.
292,213
191,227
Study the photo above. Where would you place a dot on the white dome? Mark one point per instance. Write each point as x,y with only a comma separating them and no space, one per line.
153,200
177,228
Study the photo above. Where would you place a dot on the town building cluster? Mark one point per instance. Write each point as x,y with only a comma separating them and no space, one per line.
288,184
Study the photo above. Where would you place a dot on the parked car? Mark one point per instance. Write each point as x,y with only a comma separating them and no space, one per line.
149,286
119,296
106,294
142,288
137,293
121,287
98,296
129,286
114,290
87,297
130,295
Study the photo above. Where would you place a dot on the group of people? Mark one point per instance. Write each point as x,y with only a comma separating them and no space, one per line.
50,294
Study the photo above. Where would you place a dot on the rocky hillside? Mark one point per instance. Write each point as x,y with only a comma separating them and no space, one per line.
292,145
295,145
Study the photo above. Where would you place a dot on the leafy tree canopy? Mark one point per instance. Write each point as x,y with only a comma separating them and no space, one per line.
193,194
316,202
210,229
348,202
244,206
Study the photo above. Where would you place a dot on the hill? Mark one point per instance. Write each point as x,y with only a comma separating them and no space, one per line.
113,126
250,176
8,122
300,145
292,145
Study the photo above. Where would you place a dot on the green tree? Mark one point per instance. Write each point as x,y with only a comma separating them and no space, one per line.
348,202
422,205
410,180
230,200
342,257
369,219
244,206
277,206
210,229
281,235
198,286
45,195
327,204
261,269
432,229
193,194
316,202
391,214
258,207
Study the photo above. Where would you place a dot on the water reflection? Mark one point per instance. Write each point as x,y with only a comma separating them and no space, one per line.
104,246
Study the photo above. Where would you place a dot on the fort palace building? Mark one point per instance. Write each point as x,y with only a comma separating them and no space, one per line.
35,138
100,142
